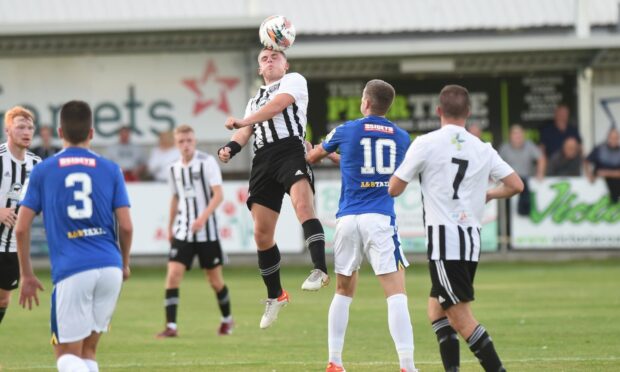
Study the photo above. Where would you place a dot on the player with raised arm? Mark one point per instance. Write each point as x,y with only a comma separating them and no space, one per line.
370,150
276,116
16,163
454,168
84,201
196,183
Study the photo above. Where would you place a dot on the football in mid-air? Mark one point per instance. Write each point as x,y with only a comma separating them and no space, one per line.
277,33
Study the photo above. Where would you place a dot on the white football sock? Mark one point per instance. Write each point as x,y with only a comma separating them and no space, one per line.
337,321
401,329
171,326
92,365
71,363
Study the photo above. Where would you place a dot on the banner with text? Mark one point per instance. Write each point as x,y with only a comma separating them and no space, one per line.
567,213
495,102
408,208
150,93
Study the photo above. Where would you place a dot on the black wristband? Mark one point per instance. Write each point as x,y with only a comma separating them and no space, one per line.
234,147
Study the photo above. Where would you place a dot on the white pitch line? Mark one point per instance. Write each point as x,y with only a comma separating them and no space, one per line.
300,363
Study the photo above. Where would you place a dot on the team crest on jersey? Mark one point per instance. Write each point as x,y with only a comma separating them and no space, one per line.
273,88
262,101
189,192
457,140
196,175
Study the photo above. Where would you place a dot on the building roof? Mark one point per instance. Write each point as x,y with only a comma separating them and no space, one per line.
315,17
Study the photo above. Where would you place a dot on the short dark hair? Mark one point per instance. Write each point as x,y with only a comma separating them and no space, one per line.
454,101
381,95
76,119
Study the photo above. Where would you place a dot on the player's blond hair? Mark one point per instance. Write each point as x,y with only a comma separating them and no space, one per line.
183,128
15,112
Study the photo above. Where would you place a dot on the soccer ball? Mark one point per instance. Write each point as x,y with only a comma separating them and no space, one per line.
277,33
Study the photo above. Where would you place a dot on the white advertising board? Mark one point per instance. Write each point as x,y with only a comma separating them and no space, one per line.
150,93
567,213
150,212
409,217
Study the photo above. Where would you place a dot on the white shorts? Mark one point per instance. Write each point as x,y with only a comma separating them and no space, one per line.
83,303
371,234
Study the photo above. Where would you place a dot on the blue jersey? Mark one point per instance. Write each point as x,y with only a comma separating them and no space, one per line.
78,191
371,149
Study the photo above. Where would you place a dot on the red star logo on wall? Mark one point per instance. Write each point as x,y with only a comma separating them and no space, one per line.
210,81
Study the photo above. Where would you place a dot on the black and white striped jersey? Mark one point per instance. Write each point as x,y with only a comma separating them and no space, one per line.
14,174
192,183
454,168
291,122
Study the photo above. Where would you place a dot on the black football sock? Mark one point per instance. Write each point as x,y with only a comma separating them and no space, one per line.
481,345
269,265
2,312
448,344
224,301
172,301
315,241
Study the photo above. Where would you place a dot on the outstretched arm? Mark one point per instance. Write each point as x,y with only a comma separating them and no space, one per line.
271,109
316,154
511,185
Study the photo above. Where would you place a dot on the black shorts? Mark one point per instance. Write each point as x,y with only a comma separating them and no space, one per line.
452,281
209,253
9,271
275,169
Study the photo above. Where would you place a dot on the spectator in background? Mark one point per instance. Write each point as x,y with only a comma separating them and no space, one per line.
475,129
129,157
522,154
46,148
605,159
162,157
553,135
568,161
526,159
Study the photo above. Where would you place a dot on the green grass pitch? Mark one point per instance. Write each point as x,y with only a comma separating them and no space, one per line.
542,317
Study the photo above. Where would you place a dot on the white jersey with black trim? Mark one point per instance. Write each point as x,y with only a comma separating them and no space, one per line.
291,122
14,174
192,183
454,168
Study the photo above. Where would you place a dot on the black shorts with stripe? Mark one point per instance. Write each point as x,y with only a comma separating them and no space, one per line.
9,271
452,281
275,168
209,253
